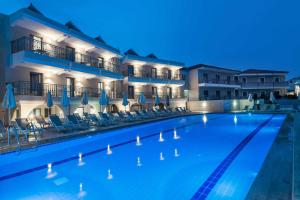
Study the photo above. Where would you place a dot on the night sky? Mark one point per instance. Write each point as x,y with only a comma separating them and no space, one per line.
238,34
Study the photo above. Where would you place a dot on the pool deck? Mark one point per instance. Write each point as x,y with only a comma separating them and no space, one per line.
52,136
275,179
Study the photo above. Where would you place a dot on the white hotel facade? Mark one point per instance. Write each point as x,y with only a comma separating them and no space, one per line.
38,55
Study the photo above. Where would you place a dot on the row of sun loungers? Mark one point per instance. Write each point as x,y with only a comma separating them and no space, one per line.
76,122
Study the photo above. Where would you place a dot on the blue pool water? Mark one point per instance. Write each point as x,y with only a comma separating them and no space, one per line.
216,159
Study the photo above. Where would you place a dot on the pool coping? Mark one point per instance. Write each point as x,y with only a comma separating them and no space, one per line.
80,134
274,180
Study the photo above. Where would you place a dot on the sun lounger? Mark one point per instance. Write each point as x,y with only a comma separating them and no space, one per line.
107,120
124,117
59,125
3,132
133,116
73,120
24,127
42,122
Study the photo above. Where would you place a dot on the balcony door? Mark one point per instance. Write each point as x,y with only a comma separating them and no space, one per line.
71,87
169,74
100,62
169,92
70,53
154,91
36,84
130,92
130,70
153,72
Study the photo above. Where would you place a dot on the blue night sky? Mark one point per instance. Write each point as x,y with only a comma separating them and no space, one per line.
227,33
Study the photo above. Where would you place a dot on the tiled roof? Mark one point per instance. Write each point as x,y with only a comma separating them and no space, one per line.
198,66
72,26
99,38
151,55
34,9
131,52
262,71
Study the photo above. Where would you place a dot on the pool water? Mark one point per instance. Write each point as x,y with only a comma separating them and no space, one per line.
216,156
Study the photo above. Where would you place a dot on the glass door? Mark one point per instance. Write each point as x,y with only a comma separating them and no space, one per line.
70,53
36,84
71,86
153,73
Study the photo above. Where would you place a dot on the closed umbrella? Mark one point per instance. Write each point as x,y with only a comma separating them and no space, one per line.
167,101
65,100
272,97
142,99
9,101
49,101
103,100
250,98
157,100
85,99
125,101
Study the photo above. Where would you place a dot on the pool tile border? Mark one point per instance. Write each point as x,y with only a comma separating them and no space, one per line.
215,176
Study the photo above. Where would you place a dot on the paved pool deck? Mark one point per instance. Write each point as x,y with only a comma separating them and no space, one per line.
275,180
51,135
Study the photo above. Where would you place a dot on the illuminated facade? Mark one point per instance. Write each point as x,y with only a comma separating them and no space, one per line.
40,55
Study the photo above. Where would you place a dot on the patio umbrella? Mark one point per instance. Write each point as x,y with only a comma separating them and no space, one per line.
103,100
125,101
65,100
157,100
250,97
272,97
9,101
49,101
142,99
85,99
167,101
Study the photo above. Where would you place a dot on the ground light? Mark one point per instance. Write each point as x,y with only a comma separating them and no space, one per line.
204,119
108,151
138,141
109,175
176,137
161,139
161,156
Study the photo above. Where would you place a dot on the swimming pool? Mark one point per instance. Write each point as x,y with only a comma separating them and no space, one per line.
216,156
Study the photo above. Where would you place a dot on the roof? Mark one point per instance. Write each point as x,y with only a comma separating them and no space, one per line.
32,11
198,66
151,55
263,71
131,52
71,25
100,39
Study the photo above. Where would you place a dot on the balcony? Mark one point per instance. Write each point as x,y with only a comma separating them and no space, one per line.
219,83
29,50
265,85
147,77
25,88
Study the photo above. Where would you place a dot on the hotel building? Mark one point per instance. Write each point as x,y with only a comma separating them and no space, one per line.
40,55
216,83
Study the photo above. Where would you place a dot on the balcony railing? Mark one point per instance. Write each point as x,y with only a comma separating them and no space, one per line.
216,81
264,85
28,89
145,74
43,48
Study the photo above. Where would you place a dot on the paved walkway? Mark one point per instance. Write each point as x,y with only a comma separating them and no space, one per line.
274,181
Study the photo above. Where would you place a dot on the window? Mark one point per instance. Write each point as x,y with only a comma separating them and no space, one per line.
217,78
100,62
205,93
47,112
276,79
229,94
37,112
236,79
262,94
245,94
130,70
228,79
236,93
262,80
70,53
205,77
244,80
130,92
154,90
218,94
